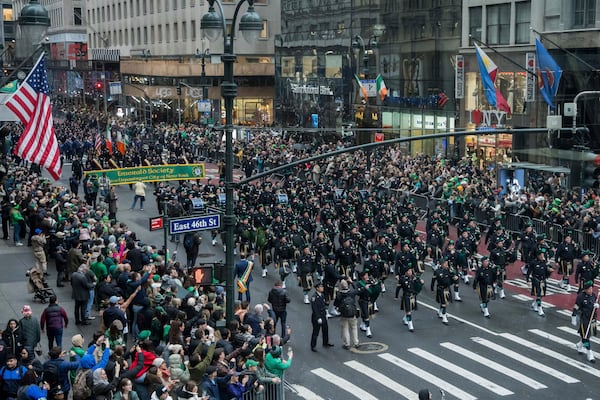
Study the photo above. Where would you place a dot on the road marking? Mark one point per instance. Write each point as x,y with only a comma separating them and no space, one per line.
343,384
426,376
464,321
573,331
382,379
557,339
565,312
524,297
551,285
306,393
551,353
525,360
497,367
489,385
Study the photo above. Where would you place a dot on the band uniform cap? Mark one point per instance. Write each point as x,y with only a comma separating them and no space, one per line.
588,284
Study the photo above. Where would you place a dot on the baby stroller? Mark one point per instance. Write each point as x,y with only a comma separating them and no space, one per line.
38,286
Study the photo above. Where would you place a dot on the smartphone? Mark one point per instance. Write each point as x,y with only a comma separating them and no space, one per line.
231,364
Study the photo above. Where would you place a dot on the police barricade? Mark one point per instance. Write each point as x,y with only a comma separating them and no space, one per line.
420,201
514,223
270,391
541,227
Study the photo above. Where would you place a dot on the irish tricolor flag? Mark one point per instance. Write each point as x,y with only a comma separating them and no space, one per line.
363,89
381,88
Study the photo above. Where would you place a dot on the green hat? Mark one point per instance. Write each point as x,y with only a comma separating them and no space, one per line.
588,284
251,363
144,335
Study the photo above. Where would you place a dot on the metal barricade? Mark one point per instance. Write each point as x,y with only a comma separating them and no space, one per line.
270,391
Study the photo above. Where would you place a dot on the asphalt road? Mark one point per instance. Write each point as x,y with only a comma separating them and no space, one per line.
515,354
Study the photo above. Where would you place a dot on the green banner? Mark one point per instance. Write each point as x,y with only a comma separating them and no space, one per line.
154,173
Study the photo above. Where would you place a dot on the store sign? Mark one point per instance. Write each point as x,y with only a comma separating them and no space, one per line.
459,77
530,82
154,173
490,118
305,89
156,223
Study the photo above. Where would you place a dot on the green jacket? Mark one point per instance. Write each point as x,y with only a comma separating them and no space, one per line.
276,365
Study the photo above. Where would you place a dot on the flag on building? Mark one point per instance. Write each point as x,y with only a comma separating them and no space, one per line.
381,88
548,73
363,89
442,99
488,70
31,105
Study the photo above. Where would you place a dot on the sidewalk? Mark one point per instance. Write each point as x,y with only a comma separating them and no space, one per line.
14,262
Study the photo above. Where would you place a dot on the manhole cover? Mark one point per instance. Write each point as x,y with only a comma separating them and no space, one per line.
206,255
370,347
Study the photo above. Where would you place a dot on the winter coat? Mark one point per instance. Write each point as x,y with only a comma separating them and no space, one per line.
30,331
177,369
81,286
279,298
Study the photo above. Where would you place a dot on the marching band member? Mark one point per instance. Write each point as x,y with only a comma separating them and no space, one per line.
585,307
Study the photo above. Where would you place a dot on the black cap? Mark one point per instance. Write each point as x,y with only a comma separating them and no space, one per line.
318,284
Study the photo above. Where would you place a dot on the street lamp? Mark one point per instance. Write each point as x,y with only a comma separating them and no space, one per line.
213,25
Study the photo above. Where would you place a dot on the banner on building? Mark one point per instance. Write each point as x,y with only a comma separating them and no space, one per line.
154,173
459,77
530,82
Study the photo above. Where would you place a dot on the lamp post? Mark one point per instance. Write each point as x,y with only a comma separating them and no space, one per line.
213,25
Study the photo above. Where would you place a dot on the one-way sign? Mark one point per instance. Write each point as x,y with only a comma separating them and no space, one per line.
196,223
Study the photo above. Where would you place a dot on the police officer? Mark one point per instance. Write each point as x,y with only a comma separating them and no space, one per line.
538,272
566,252
444,277
485,276
587,270
585,307
319,318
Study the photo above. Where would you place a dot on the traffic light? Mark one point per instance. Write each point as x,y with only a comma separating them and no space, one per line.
99,86
178,88
591,176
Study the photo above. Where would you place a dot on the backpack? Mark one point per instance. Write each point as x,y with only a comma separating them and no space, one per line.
348,308
188,242
80,389
51,374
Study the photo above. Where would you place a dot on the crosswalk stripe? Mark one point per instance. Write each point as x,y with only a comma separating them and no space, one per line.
497,367
557,339
551,288
572,331
489,385
524,297
525,360
305,393
431,379
551,353
343,384
383,379
565,312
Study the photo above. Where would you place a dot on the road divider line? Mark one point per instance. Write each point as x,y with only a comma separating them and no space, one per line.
382,379
427,377
343,384
497,367
551,353
524,360
463,373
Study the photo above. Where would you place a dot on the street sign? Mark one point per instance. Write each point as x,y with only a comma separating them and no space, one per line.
192,224
156,223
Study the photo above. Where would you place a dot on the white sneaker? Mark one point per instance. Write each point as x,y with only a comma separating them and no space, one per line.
467,279
540,311
18,244
445,319
306,301
375,308
235,252
410,326
561,285
283,284
214,242
568,288
590,356
457,297
502,294
369,332
579,347
534,306
264,273
440,314
382,288
335,312
224,249
294,268
404,321
363,327
486,313
327,315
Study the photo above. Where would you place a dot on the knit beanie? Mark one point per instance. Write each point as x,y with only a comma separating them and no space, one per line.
77,340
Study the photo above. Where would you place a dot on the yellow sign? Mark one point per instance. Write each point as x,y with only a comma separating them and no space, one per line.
153,173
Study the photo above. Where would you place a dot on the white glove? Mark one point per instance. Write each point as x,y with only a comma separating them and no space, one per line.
319,321
596,305
574,320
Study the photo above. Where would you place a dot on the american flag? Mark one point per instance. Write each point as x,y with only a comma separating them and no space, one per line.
31,104
98,142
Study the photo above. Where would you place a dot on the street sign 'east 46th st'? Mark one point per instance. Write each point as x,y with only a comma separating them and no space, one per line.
197,223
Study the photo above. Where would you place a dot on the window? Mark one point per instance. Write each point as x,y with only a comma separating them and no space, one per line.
77,16
184,31
183,4
523,21
166,5
193,26
152,34
175,32
151,6
139,36
498,24
167,33
120,37
174,4
145,6
125,11
160,38
145,35
137,7
264,34
475,22
119,16
584,13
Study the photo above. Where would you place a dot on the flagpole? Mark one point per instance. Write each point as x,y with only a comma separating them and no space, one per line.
566,51
502,55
